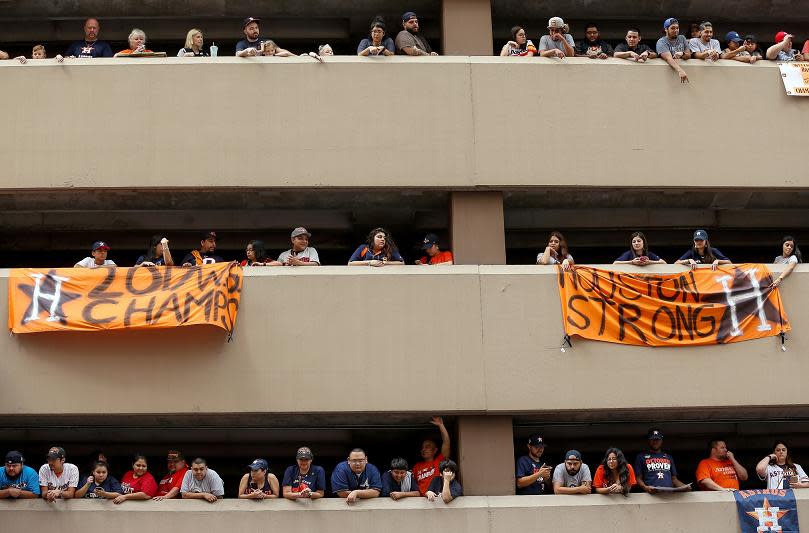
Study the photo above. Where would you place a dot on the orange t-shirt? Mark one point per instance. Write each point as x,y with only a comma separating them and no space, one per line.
425,471
720,472
129,51
600,481
440,257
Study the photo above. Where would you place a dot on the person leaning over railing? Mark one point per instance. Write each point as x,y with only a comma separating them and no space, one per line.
38,52
90,46
638,253
17,480
779,471
194,41
533,475
556,252
202,483
655,468
703,253
304,480
434,254
355,478
632,49
399,482
377,43
170,484
738,50
446,485
138,483
97,258
782,49
519,45
673,47
558,43
378,250
158,253
721,471
408,41
301,254
592,46
705,46
259,483
614,475
790,256
57,479
572,476
257,255
137,44
99,484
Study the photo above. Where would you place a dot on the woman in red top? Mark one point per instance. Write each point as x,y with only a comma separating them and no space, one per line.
260,483
137,484
614,475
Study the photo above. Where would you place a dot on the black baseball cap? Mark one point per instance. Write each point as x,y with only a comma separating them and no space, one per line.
248,20
14,457
654,433
204,236
429,240
536,440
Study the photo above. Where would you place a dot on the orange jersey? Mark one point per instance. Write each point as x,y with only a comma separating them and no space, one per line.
720,472
600,480
440,257
425,471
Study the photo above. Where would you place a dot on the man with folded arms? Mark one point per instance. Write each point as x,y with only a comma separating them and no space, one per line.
17,480
202,483
57,479
705,46
356,479
572,476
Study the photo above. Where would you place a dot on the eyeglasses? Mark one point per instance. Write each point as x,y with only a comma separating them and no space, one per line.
357,461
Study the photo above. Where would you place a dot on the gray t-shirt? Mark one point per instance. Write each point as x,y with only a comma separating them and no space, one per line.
781,260
211,483
698,45
308,255
680,44
546,43
560,475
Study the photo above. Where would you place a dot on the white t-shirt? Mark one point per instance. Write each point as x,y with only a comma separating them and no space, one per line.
781,260
775,476
308,255
68,478
90,262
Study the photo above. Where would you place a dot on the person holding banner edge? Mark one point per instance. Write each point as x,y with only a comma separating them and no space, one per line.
790,255
778,470
703,253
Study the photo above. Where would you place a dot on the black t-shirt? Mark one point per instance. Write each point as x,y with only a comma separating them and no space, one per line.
582,47
201,53
623,47
207,259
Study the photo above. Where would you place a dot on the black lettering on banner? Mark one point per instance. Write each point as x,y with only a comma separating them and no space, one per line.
613,285
99,290
689,288
668,297
131,309
651,282
672,324
206,300
220,302
570,305
626,321
560,278
227,317
153,286
87,312
603,313
709,319
622,285
685,322
203,280
172,303
187,273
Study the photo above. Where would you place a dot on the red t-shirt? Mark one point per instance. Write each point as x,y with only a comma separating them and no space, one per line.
170,481
425,471
145,483
440,257
601,481
720,472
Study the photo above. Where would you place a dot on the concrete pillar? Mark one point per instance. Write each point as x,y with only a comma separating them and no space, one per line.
486,455
477,228
467,27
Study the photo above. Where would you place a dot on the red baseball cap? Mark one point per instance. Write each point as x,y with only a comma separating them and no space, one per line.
779,37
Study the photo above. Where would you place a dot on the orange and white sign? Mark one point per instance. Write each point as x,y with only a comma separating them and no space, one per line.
83,299
795,75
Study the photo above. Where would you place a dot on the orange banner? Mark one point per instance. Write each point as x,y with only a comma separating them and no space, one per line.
84,299
731,304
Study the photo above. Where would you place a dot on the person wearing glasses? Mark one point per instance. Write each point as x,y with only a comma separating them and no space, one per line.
356,478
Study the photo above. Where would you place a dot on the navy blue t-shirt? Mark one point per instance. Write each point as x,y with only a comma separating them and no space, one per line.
391,485
343,478
526,467
244,44
315,479
364,253
85,49
109,485
437,484
692,254
630,255
656,469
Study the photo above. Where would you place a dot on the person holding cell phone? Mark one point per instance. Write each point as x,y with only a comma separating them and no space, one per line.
639,253
779,471
99,484
533,474
137,44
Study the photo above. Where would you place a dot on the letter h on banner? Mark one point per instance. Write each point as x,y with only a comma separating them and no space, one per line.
54,298
743,296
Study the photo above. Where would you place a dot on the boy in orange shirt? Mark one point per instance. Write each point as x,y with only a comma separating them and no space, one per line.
435,256
721,471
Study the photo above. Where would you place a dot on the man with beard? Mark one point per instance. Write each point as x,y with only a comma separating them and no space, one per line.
205,255
654,468
18,480
673,46
169,487
532,473
705,46
90,46
572,476
251,45
408,41
721,471
592,46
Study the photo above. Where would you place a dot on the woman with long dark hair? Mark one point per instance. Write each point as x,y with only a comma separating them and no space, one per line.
378,250
790,256
639,253
138,483
519,45
703,253
257,255
157,254
556,252
779,471
614,475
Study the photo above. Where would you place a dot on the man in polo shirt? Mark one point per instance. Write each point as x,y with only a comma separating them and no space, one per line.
572,476
427,469
17,480
673,47
721,471
202,483
98,257
301,254
169,487
705,46
408,41
435,256
533,475
356,479
57,479
90,46
655,468
205,255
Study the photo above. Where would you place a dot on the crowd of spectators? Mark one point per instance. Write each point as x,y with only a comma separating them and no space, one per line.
434,477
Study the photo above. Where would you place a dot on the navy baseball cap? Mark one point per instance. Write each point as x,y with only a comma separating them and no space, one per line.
654,433
408,15
208,235
669,21
733,36
700,235
14,457
258,464
248,20
100,245
536,441
573,454
429,240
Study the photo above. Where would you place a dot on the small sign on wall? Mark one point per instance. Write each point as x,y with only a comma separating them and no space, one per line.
796,78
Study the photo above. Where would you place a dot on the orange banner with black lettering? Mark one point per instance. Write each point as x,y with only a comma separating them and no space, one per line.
84,299
731,304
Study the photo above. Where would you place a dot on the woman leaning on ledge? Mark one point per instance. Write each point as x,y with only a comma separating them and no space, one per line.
778,470
138,483
157,254
519,45
100,484
378,250
376,44
790,256
614,475
137,44
259,483
639,253
556,252
703,253
193,45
